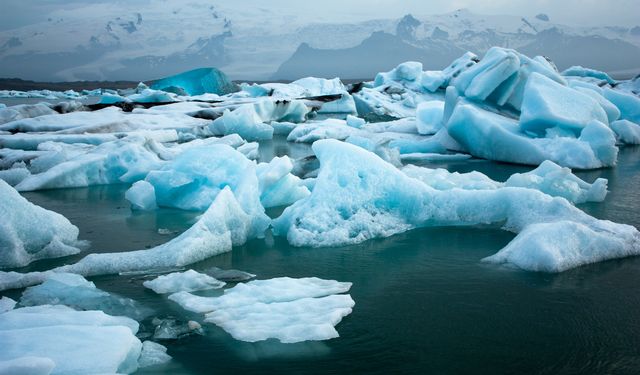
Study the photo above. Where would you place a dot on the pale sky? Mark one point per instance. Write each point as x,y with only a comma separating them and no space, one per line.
16,13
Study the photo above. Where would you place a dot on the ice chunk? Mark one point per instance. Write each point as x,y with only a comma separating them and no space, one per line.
23,111
75,291
6,304
491,136
480,80
358,196
142,196
408,71
243,121
93,342
172,329
249,120
188,281
198,82
626,131
433,80
355,122
278,187
14,176
346,104
228,275
579,71
548,104
194,179
29,232
291,310
628,104
153,354
126,160
429,115
27,366
280,289
295,321
562,245
557,181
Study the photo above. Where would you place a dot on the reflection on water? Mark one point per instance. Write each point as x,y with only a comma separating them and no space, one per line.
424,301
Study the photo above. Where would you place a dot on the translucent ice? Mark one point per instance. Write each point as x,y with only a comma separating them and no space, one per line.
75,291
626,131
93,341
548,104
29,232
278,187
153,354
188,281
198,81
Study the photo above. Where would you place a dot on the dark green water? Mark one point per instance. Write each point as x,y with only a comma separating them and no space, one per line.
424,302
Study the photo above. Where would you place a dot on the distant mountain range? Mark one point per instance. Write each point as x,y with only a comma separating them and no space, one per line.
257,44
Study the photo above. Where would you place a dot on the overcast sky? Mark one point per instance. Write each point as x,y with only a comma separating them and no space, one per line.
16,13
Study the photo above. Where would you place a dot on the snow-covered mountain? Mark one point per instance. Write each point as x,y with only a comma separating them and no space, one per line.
107,41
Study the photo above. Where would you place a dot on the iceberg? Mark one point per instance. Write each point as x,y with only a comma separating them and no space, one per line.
429,115
250,120
198,82
628,104
24,111
27,366
579,71
626,131
93,341
29,232
491,136
188,281
358,196
278,187
120,161
290,310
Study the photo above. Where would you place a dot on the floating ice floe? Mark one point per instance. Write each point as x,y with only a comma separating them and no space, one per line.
75,291
29,232
187,281
153,354
290,310
61,340
358,196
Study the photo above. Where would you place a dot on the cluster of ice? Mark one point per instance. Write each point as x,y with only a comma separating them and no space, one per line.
24,111
29,232
59,340
75,291
290,310
188,281
250,120
194,178
47,94
358,196
223,225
